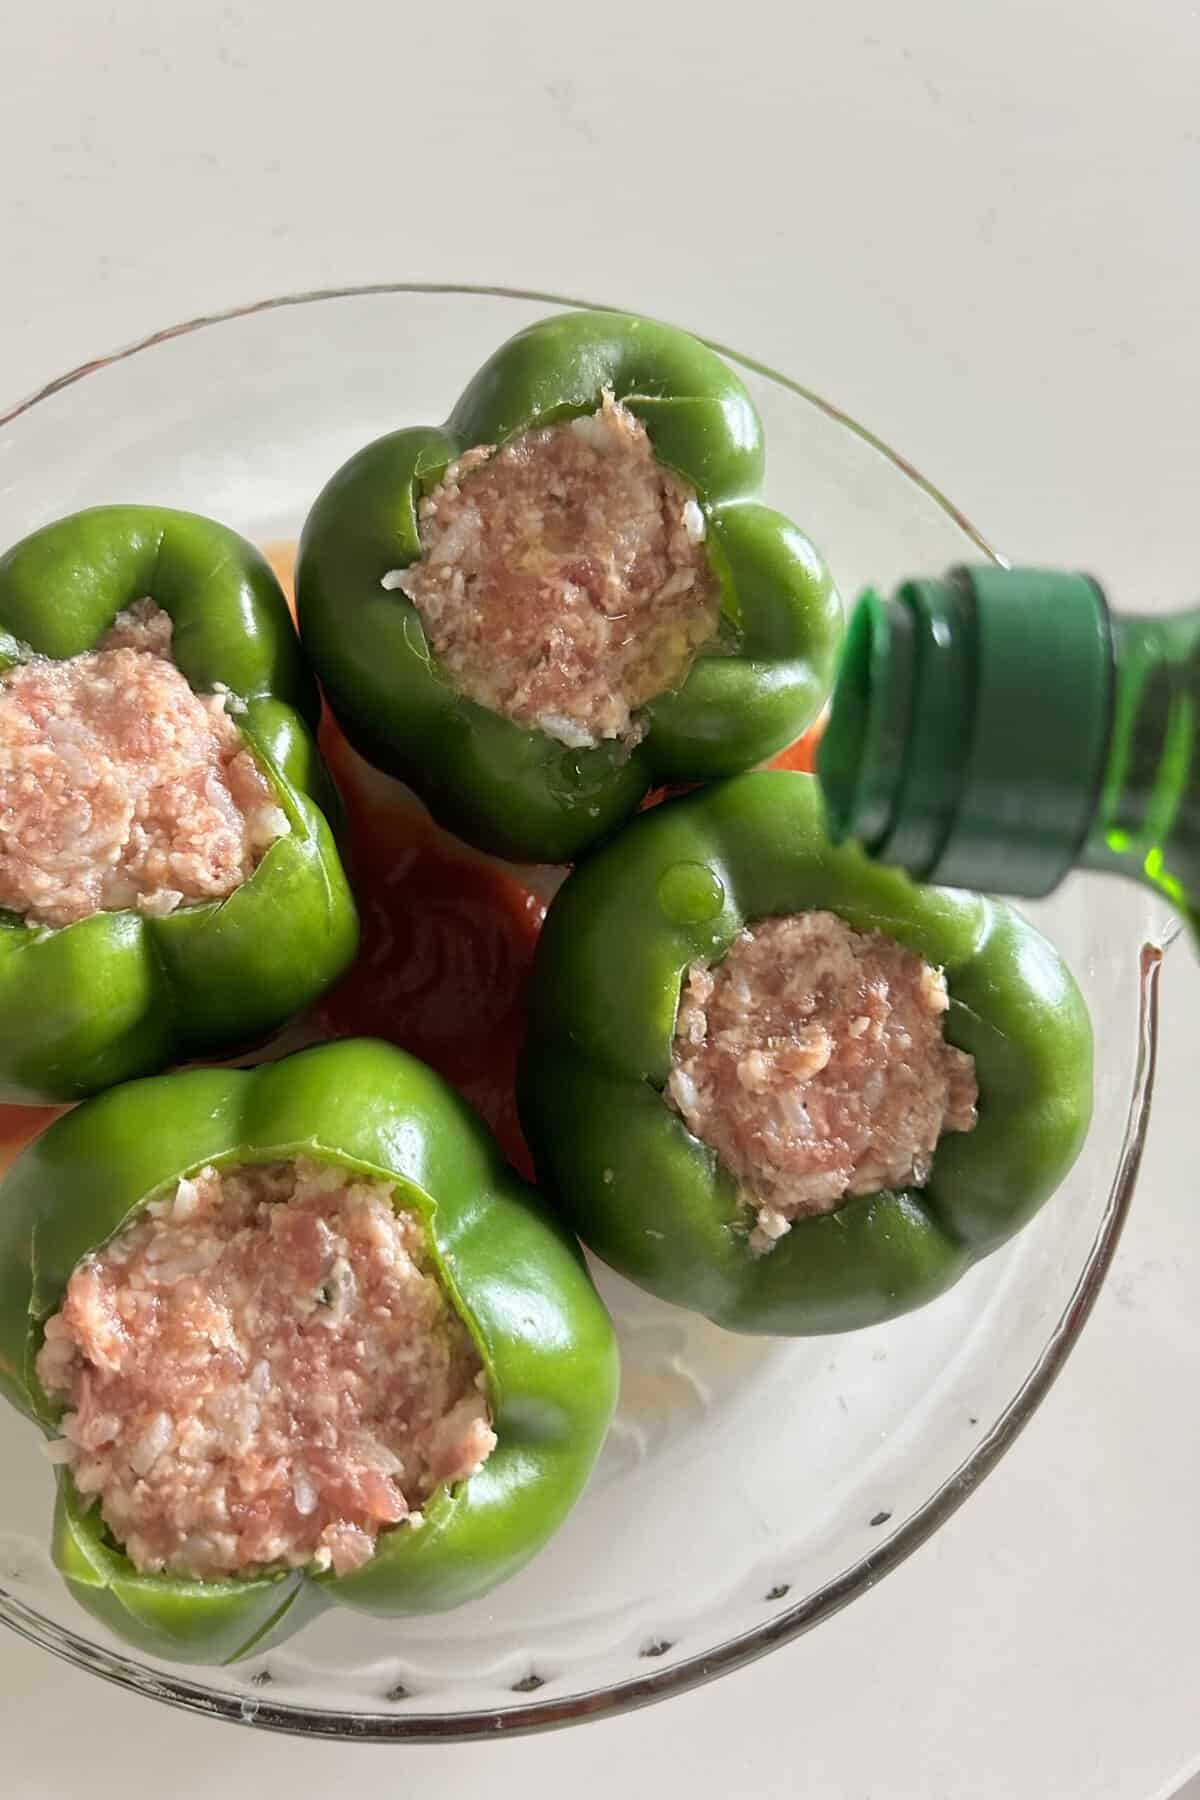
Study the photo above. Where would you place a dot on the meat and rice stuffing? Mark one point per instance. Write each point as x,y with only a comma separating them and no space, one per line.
563,579
263,1370
812,1060
120,787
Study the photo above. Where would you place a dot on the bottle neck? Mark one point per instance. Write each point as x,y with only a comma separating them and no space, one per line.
970,727
998,727
1147,816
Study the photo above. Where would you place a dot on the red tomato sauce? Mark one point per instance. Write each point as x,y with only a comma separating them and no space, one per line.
803,753
19,1125
447,946
448,938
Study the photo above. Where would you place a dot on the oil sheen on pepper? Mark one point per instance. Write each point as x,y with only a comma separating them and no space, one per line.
448,938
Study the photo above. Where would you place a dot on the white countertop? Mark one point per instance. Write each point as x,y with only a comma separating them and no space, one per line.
976,229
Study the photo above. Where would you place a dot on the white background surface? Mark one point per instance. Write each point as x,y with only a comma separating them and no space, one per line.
976,228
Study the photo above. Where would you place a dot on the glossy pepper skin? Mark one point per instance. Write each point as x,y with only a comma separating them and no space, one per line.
515,1276
122,994
650,1198
519,793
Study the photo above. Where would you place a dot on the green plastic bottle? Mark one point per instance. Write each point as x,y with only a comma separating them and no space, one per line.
997,728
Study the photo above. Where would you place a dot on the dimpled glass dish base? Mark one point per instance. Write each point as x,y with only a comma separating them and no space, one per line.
750,1488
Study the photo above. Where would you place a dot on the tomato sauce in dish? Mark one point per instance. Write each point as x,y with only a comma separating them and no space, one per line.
802,754
448,938
447,946
19,1125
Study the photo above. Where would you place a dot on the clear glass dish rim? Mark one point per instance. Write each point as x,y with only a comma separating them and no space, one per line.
782,1627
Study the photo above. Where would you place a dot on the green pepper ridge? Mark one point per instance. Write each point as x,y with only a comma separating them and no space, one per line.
518,793
651,1199
119,994
515,1275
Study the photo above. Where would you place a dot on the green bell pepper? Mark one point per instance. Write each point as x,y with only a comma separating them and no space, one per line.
653,1200
119,993
514,1275
520,793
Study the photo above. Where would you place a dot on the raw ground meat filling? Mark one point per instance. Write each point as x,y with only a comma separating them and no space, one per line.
263,1370
812,1060
563,580
120,787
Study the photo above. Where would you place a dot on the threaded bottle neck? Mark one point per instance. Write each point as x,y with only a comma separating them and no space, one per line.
970,727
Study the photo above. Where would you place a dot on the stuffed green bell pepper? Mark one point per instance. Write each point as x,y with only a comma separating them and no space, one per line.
568,593
308,1340
743,1055
155,714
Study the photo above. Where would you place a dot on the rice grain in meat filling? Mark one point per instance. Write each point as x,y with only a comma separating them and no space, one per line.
121,787
812,1060
563,580
263,1370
